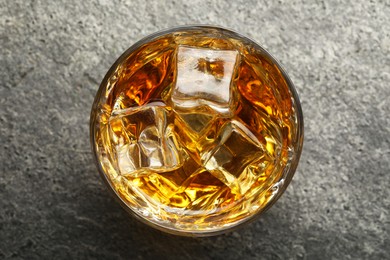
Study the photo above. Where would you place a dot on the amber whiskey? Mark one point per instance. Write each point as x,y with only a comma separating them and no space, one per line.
195,129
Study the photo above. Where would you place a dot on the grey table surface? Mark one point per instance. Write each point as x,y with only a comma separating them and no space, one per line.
53,204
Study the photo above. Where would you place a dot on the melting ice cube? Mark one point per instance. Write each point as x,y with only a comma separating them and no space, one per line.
236,157
204,80
144,140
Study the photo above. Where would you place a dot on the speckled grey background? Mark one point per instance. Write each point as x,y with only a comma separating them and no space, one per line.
53,204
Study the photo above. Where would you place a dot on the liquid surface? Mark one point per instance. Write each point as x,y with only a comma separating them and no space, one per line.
194,130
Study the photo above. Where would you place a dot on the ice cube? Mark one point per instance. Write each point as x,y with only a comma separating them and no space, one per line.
144,141
204,79
236,158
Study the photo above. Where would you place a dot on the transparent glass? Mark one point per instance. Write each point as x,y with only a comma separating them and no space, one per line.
196,130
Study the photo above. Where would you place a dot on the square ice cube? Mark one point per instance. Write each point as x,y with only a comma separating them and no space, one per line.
144,140
236,157
204,78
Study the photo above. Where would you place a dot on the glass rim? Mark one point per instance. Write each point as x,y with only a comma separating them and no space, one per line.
286,177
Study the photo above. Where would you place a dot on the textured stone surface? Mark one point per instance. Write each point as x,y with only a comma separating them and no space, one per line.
54,55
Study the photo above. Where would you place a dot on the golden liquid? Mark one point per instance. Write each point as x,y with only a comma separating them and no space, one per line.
194,169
